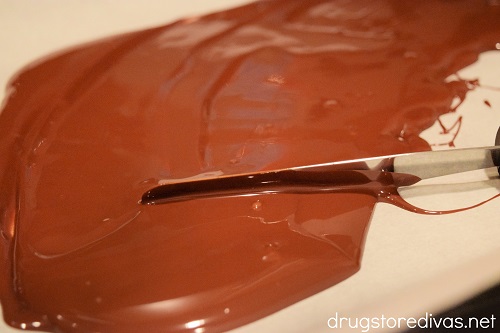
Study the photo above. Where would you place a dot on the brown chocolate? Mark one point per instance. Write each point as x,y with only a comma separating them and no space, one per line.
273,84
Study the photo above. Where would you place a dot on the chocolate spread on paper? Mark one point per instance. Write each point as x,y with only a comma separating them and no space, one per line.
273,84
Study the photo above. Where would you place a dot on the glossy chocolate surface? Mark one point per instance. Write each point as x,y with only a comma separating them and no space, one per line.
274,84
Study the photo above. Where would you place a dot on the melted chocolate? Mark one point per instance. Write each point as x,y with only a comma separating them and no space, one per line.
270,85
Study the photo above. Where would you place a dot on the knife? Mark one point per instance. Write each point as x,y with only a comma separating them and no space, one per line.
399,170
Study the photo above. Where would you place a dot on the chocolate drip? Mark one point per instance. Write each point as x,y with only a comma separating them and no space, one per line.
496,154
286,181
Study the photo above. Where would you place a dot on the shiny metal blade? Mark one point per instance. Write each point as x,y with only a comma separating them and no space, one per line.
424,165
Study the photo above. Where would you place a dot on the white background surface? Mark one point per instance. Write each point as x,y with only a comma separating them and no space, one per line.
412,263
